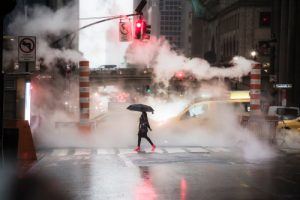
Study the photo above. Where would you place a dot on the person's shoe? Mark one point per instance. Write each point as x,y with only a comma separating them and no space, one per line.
137,149
153,147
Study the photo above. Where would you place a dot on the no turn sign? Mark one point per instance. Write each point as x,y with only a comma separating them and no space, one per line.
125,32
27,48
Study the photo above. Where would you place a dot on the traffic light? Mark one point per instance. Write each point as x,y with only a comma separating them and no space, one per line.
179,75
142,29
138,29
146,30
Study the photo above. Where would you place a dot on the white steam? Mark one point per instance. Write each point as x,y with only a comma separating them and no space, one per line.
166,62
118,128
100,43
48,26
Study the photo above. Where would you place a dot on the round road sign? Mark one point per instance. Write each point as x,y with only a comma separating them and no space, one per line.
27,45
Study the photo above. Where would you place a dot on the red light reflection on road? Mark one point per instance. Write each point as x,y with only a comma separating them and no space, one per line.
183,187
145,190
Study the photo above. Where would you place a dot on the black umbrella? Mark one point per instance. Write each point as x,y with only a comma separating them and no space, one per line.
140,108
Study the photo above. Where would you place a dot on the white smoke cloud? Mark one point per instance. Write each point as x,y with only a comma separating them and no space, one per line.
166,62
100,43
119,128
45,23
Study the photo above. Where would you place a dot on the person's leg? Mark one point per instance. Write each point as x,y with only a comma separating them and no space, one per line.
139,141
138,148
149,140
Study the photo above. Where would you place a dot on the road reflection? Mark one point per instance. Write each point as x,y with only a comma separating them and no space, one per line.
183,188
145,189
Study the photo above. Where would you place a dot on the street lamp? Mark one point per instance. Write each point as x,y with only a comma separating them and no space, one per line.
253,54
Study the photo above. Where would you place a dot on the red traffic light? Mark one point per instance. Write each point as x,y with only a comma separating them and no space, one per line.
179,75
138,24
138,29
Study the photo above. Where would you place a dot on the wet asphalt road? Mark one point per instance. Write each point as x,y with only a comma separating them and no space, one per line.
169,173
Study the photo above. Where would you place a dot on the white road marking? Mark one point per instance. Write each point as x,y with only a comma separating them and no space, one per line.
127,161
197,150
60,152
175,150
126,151
105,151
82,152
157,150
218,149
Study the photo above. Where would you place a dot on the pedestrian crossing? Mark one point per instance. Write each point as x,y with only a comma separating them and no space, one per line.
121,151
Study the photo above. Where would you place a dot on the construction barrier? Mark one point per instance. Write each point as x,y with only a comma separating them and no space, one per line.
26,148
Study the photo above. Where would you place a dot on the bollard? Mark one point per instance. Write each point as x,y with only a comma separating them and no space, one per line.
255,88
84,96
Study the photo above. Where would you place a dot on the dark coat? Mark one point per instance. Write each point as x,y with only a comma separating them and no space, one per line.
144,125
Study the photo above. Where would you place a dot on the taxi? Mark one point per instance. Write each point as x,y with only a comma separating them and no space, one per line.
293,124
205,112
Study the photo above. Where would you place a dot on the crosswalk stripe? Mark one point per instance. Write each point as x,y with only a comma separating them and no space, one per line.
105,151
175,150
157,150
218,149
197,150
82,152
110,151
60,152
126,151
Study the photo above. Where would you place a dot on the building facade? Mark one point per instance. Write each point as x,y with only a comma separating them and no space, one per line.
225,29
286,49
171,19
229,28
15,77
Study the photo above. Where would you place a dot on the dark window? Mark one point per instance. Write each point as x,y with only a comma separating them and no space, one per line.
264,19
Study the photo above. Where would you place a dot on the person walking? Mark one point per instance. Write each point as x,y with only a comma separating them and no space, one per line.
143,130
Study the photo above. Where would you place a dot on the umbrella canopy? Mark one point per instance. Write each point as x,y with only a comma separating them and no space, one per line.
140,108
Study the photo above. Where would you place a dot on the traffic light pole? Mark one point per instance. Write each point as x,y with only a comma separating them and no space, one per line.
138,11
94,23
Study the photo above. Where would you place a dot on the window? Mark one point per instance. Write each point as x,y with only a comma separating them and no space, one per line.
264,19
198,110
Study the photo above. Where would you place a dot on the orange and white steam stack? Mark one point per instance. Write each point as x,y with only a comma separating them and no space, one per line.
84,96
255,88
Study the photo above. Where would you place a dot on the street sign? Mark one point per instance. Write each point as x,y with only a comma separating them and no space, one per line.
282,86
125,31
26,48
